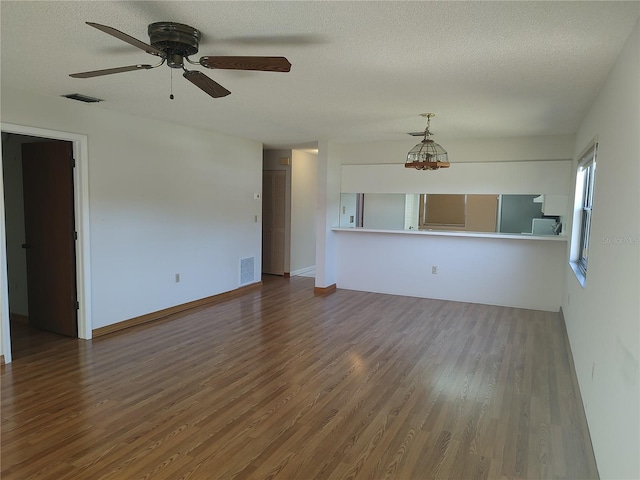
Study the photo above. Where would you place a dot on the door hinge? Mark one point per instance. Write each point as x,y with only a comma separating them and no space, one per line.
77,305
75,235
73,162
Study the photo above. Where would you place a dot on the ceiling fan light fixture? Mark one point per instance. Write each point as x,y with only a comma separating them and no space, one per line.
174,43
427,155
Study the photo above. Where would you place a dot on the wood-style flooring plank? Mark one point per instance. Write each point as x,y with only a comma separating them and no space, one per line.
281,384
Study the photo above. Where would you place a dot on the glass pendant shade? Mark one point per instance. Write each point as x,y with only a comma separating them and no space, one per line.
427,155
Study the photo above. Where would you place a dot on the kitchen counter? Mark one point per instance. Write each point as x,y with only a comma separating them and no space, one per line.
458,233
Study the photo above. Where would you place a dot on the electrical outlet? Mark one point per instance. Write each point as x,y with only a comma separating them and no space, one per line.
177,278
434,270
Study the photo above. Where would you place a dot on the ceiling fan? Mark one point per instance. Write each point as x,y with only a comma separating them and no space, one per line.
174,43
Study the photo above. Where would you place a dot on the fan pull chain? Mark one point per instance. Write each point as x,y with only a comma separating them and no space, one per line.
171,87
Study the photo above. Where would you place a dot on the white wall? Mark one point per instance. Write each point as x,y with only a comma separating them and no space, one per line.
348,204
304,192
476,270
482,150
603,317
5,344
525,177
328,211
164,199
472,269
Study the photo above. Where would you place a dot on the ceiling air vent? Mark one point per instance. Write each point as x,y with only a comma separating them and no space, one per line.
83,98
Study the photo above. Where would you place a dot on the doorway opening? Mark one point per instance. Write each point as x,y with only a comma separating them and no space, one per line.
289,199
45,291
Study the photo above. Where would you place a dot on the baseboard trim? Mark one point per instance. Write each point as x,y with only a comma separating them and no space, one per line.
17,317
304,271
160,314
576,385
324,290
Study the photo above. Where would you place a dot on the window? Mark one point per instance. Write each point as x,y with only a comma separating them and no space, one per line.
441,210
584,200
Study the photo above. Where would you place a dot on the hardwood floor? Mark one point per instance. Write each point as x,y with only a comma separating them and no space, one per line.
282,384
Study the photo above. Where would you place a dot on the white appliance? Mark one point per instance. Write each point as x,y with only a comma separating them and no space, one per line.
543,226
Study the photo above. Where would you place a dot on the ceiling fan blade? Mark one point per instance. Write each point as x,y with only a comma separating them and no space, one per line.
264,64
127,38
109,71
204,83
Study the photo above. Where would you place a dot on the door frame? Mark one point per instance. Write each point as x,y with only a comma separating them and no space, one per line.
81,205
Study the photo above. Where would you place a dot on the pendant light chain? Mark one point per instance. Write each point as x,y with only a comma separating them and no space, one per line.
171,85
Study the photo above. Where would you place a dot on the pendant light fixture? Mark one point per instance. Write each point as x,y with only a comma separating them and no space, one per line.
427,155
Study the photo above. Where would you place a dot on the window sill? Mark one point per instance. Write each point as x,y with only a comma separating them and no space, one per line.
581,277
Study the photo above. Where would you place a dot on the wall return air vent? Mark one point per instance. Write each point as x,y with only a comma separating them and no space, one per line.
83,98
246,270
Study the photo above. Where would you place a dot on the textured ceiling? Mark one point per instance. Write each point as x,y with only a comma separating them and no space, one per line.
361,70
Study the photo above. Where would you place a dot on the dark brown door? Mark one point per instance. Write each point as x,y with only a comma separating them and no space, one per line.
47,174
274,184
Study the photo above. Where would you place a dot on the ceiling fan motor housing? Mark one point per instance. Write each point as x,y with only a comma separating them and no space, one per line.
177,40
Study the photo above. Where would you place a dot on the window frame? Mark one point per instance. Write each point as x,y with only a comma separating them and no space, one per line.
585,186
